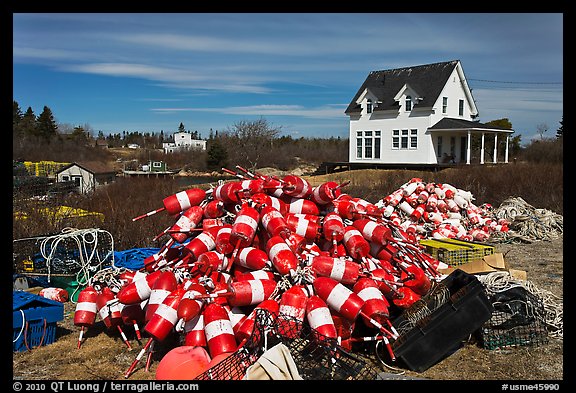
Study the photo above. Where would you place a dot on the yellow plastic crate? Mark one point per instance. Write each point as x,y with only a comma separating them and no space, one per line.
456,252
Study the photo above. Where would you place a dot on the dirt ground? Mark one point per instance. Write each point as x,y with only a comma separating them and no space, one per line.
104,356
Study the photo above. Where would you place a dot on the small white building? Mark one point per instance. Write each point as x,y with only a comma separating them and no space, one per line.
86,175
182,140
422,114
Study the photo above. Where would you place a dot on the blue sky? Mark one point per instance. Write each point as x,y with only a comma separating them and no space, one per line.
151,71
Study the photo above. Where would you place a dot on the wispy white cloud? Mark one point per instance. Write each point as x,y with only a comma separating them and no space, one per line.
171,77
322,112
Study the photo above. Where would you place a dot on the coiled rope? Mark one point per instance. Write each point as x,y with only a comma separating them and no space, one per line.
553,317
90,260
527,224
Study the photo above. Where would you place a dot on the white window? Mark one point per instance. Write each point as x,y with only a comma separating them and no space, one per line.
395,139
413,139
408,104
405,139
368,144
369,106
444,104
157,164
461,108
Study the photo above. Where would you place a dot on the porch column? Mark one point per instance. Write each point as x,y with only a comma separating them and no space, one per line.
482,150
495,148
506,151
468,149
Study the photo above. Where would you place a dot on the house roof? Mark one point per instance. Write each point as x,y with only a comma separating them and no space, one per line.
95,167
428,80
448,123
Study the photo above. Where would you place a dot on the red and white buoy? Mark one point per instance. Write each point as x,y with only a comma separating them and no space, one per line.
252,258
194,331
373,231
338,297
375,304
282,257
253,275
309,229
262,199
356,245
250,292
246,327
214,209
205,241
244,227
339,268
292,311
319,317
174,204
228,193
296,186
189,220
222,240
302,206
165,284
326,192
218,330
86,310
274,222
189,305
139,289
110,312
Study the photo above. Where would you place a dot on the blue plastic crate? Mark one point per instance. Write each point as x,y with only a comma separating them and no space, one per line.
34,320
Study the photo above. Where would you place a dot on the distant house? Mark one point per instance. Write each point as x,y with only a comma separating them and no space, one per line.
155,166
87,175
101,143
422,114
182,140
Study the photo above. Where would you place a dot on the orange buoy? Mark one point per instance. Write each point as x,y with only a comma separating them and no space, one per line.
183,362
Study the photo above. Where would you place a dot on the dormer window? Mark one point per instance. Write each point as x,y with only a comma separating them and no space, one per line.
369,106
408,104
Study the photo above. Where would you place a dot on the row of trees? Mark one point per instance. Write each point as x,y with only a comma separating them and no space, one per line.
248,143
251,144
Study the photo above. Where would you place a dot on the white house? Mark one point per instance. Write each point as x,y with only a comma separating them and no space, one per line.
417,115
86,175
182,140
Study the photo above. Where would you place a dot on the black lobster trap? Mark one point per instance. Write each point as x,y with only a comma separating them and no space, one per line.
316,356
518,320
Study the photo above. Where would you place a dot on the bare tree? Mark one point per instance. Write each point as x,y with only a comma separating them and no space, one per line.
248,141
541,129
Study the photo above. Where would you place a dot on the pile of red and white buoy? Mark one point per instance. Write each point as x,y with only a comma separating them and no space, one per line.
314,255
436,210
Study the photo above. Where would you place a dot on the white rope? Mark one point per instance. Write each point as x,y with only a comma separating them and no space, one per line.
527,224
21,328
553,318
82,238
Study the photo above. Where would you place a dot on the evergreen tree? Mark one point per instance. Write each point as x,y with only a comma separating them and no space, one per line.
16,117
181,128
28,122
216,155
46,125
560,131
